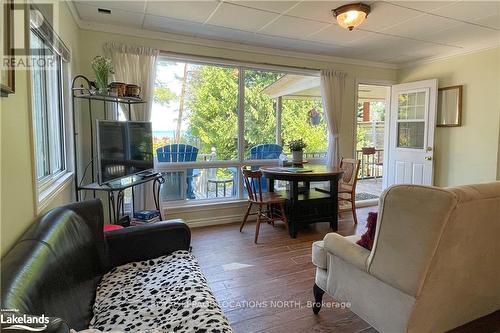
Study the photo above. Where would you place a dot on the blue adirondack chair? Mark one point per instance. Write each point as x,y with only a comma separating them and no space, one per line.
266,151
180,153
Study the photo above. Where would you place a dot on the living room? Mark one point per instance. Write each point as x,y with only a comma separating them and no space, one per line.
244,86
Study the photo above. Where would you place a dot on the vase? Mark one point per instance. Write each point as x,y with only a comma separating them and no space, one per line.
297,156
101,82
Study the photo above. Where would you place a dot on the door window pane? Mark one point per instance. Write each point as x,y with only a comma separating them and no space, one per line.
420,112
411,134
411,106
421,98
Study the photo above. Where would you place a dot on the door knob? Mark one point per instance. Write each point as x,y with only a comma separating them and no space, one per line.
428,158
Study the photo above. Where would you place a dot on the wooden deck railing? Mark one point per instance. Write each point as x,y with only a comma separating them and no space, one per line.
371,165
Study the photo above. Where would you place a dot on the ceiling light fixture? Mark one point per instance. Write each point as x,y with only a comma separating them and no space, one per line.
351,15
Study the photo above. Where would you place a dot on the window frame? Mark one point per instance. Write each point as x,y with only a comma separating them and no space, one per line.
240,160
53,181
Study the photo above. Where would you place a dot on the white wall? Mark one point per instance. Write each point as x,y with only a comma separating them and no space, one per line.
470,153
17,186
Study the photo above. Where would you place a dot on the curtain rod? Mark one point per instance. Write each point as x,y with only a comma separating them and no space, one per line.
250,64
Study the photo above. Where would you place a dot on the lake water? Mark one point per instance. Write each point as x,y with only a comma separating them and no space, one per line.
163,134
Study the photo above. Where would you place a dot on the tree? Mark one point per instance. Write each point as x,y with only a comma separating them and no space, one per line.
212,110
163,95
209,104
296,124
181,104
260,109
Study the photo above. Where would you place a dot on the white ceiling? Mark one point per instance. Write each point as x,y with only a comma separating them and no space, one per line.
395,32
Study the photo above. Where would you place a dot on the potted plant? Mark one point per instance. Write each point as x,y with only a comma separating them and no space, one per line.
314,117
102,68
297,148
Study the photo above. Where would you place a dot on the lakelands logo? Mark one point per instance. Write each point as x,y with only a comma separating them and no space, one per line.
24,322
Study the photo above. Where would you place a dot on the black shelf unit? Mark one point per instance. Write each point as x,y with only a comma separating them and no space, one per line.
83,92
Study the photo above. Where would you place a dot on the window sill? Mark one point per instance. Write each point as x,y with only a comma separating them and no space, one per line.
46,196
197,206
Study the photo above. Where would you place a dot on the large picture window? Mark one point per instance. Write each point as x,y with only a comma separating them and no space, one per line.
210,118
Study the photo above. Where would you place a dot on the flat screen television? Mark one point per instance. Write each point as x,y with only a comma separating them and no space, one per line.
124,148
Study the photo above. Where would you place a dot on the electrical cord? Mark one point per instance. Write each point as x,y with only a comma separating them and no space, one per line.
85,172
83,178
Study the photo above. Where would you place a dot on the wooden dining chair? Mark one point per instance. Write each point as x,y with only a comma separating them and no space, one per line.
347,184
271,205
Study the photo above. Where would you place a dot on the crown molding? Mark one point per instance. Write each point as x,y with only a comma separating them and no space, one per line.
74,13
449,56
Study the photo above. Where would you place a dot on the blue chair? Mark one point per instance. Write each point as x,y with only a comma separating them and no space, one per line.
266,151
180,153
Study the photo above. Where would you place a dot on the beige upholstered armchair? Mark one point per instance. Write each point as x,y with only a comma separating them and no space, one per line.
435,262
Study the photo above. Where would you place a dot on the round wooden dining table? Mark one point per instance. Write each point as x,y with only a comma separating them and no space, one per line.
305,205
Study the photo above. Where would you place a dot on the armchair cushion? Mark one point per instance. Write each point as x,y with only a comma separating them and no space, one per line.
346,249
319,254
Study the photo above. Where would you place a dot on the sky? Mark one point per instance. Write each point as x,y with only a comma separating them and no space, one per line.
164,117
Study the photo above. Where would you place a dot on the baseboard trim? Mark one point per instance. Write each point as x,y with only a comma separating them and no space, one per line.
196,223
367,203
237,218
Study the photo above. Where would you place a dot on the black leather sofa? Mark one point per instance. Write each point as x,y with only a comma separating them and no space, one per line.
55,267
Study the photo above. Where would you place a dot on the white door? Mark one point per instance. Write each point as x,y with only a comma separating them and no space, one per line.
410,134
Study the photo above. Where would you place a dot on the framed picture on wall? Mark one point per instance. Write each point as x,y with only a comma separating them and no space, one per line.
7,75
449,111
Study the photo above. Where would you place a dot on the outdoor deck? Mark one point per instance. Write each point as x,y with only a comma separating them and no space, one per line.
370,186
367,189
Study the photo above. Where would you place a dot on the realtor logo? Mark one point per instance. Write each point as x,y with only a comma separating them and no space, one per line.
12,320
25,23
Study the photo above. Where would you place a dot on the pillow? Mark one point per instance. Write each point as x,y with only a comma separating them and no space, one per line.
93,330
110,227
368,237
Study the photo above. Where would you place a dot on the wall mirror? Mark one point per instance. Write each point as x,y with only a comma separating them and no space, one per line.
449,110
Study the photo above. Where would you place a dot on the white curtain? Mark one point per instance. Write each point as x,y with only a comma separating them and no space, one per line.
136,65
332,93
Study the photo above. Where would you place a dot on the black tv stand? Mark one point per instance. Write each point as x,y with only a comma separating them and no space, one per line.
147,173
116,188
103,107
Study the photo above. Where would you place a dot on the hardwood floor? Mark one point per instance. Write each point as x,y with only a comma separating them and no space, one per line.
246,277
